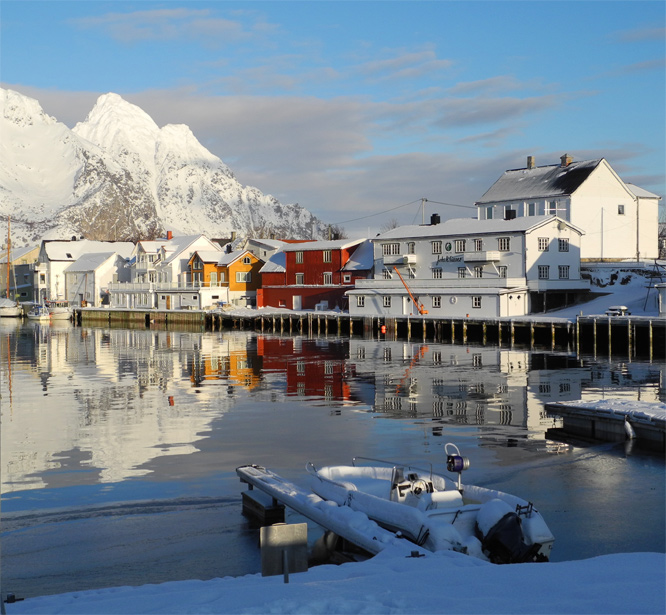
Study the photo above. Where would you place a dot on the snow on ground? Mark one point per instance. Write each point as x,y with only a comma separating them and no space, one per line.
446,582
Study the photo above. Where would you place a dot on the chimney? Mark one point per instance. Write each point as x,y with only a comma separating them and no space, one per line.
169,235
566,160
530,162
233,235
434,219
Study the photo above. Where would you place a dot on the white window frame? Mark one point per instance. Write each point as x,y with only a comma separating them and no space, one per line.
327,256
544,272
243,277
437,273
390,249
478,271
299,257
563,272
502,271
328,278
300,279
360,301
543,243
563,244
476,301
437,301
386,301
478,245
436,247
460,245
504,244
462,273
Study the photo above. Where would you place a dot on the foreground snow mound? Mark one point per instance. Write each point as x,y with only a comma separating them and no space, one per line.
446,582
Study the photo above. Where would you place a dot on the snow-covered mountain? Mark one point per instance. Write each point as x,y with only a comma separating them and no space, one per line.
119,176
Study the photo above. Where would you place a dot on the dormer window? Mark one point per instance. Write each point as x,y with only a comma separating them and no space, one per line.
247,260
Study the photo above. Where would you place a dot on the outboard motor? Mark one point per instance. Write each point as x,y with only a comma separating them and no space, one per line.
500,531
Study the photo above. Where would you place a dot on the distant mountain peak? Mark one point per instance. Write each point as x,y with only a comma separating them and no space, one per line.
119,176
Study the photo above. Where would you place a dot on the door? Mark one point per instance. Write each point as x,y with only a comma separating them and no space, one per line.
297,302
168,302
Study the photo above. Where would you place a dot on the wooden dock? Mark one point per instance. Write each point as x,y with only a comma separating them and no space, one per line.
613,420
598,335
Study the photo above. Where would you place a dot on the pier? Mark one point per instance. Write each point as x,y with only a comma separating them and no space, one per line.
596,335
613,420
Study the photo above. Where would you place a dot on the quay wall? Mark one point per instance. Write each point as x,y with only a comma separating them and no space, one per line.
628,336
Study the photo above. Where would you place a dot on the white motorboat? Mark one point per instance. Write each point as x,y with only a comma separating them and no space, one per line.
10,309
39,313
436,512
60,310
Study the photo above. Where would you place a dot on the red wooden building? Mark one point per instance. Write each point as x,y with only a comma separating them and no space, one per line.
314,274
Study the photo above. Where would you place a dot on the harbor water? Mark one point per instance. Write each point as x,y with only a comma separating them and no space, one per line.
119,446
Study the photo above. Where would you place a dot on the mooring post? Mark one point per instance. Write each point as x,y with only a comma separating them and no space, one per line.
650,333
609,337
464,327
629,340
552,336
513,333
484,328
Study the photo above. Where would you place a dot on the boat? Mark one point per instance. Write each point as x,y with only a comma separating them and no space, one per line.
60,310
437,512
39,313
10,309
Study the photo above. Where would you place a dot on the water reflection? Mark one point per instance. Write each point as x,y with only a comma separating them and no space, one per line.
85,406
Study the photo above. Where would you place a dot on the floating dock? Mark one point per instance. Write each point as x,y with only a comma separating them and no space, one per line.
614,420
341,520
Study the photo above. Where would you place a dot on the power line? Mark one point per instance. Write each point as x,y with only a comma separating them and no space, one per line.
379,213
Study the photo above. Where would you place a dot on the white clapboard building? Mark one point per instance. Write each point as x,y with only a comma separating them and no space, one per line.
472,268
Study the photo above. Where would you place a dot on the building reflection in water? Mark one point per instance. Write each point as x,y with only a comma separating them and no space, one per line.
103,403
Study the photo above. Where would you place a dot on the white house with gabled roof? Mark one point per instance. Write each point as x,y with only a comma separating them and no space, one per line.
87,279
56,255
467,267
619,219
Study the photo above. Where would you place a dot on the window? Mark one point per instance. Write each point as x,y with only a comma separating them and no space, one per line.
436,302
563,272
543,244
300,278
346,278
460,245
620,210
503,244
478,245
462,272
244,276
489,212
387,301
476,301
360,301
437,273
299,257
247,260
436,247
478,271
531,209
563,245
552,208
328,278
327,256
213,278
544,272
387,274
390,249
411,246
501,270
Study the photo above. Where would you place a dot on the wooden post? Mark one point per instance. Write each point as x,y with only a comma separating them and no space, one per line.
594,336
629,340
577,336
513,333
531,335
499,333
609,337
650,332
552,334
464,331
484,328
453,331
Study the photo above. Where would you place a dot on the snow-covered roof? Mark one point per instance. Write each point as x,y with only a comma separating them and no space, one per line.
641,192
58,250
468,226
362,259
275,264
18,253
337,244
539,182
89,262
272,244
209,256
229,257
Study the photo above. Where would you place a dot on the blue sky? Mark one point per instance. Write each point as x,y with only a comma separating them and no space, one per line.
356,110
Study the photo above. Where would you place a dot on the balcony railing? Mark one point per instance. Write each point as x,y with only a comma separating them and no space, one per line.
486,256
163,286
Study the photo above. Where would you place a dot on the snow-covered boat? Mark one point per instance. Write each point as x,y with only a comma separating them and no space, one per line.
436,512
59,310
39,313
10,309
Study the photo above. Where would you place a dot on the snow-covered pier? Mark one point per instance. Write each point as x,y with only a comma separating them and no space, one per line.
614,420
624,336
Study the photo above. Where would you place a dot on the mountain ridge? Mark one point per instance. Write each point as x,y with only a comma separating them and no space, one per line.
118,176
